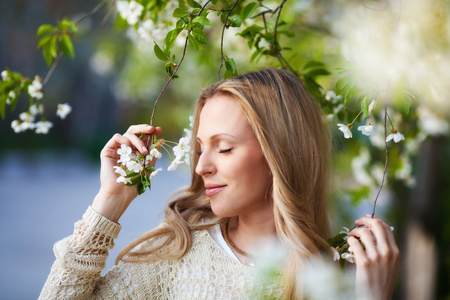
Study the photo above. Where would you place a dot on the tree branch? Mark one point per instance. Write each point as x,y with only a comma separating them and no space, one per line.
387,158
222,58
176,69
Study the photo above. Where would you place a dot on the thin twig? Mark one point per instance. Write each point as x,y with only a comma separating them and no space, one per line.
280,7
60,55
52,68
176,69
108,14
92,12
222,58
387,159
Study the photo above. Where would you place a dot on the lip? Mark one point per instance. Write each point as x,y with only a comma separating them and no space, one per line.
213,189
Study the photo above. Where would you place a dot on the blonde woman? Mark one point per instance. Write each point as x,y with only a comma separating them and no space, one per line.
259,177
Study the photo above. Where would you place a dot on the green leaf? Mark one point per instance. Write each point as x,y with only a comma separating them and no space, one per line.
341,85
317,72
248,10
44,29
312,64
364,104
199,35
194,43
203,20
194,4
159,53
3,98
44,40
351,92
235,21
170,40
230,66
179,12
66,46
214,2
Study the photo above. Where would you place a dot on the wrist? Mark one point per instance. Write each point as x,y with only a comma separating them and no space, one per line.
110,206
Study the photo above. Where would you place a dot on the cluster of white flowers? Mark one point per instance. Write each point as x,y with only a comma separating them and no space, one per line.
134,167
35,88
135,163
27,119
147,30
182,149
5,75
63,110
130,11
343,250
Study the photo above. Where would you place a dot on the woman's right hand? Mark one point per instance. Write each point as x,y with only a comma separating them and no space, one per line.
113,198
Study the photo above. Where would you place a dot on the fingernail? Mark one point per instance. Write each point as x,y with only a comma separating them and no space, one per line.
144,148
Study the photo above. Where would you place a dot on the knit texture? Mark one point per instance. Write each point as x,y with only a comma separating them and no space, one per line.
205,272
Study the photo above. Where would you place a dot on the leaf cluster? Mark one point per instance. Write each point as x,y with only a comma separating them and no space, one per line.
54,38
17,84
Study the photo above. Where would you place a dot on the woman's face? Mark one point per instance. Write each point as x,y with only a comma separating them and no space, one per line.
231,162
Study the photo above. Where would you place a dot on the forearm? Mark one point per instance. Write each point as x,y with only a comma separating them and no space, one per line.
80,258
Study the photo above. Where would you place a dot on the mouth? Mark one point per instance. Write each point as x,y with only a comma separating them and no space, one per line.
212,190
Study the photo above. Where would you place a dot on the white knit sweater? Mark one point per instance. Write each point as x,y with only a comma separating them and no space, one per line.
205,272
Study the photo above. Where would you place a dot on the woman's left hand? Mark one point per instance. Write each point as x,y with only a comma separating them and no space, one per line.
377,264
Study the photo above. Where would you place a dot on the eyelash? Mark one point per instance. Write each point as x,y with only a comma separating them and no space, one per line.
220,151
225,150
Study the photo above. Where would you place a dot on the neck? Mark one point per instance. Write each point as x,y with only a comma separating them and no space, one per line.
249,234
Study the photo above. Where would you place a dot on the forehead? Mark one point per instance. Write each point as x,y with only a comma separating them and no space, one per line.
222,114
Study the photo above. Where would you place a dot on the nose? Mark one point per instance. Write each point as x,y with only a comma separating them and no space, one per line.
205,165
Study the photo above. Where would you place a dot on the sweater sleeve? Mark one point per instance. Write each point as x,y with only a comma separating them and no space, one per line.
80,258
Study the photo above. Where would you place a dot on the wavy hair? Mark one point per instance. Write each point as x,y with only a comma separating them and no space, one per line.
289,126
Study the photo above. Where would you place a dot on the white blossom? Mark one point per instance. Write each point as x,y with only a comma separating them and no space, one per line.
26,117
174,165
396,136
155,153
366,129
43,127
36,109
15,125
5,75
149,31
11,96
336,254
123,179
348,257
63,110
130,11
125,154
134,166
154,173
120,171
330,95
346,130
34,89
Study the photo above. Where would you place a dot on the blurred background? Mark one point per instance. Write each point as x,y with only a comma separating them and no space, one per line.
47,181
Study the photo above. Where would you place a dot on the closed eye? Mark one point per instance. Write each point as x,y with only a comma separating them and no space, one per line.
225,150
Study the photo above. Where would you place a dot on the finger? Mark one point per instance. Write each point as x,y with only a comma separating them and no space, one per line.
366,237
360,255
136,130
110,149
377,226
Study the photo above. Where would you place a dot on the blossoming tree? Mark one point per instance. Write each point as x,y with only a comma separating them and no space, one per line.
380,67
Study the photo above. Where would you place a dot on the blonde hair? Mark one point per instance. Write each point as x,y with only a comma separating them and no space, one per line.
295,142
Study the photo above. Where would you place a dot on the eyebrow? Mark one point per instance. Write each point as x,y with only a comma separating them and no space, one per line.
218,136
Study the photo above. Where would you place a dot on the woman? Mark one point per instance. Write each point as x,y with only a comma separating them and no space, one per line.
259,176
